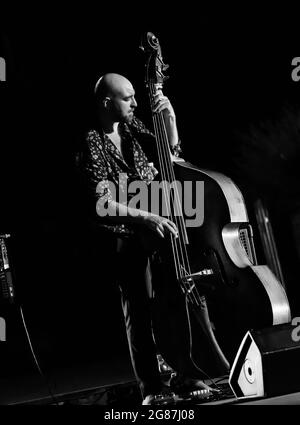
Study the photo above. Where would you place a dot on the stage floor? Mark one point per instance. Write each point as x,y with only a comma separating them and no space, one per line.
84,387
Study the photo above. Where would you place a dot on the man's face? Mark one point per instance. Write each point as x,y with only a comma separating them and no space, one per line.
123,103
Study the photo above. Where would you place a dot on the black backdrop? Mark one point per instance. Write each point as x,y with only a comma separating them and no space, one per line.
227,73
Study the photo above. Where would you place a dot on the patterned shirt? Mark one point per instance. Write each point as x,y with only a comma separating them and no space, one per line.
105,166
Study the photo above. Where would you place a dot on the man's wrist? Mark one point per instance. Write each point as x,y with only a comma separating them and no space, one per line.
176,148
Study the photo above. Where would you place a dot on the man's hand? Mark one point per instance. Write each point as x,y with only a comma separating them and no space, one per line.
161,225
120,213
162,104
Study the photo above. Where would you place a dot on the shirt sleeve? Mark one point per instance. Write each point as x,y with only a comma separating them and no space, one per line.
95,168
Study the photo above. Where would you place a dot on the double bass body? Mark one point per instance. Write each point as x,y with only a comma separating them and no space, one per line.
237,295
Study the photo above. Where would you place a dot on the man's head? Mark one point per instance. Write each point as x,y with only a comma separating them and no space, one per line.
115,97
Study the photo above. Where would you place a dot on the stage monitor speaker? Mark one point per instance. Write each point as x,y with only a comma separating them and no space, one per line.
267,363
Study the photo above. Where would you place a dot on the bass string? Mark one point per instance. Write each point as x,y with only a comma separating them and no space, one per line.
182,265
178,246
177,216
168,174
166,163
162,160
161,141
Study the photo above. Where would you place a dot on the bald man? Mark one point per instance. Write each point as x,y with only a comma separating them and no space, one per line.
114,150
116,105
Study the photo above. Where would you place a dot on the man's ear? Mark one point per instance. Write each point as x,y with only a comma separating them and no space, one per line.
106,102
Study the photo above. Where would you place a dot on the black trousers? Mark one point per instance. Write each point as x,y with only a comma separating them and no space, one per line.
134,280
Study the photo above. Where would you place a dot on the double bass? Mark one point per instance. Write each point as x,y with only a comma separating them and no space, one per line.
208,288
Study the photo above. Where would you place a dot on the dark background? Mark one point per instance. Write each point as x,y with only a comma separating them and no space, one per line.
231,87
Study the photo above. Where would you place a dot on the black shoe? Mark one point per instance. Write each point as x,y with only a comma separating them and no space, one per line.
165,396
181,384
